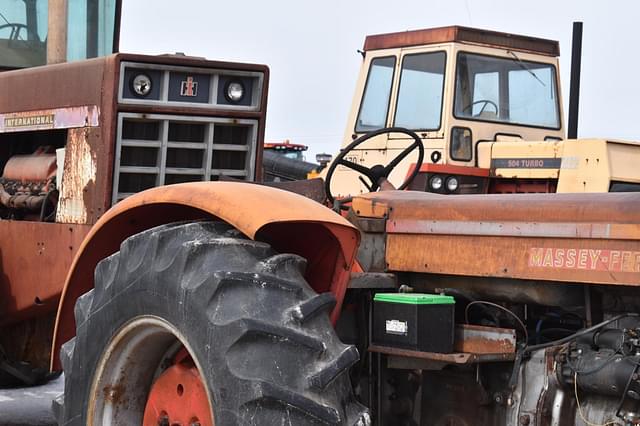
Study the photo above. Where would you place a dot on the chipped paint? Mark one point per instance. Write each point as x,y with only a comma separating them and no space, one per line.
58,118
79,174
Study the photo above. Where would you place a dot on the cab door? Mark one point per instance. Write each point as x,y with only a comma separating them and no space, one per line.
374,98
419,106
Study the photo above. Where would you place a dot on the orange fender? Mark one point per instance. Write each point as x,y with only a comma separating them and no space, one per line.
289,222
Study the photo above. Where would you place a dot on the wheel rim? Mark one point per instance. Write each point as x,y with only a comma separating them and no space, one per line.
127,374
178,396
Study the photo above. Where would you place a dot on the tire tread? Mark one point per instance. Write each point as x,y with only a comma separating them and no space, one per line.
204,261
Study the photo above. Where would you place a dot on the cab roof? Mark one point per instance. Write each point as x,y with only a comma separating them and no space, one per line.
464,35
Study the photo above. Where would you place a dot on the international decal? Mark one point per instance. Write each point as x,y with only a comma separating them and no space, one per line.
189,87
29,121
585,259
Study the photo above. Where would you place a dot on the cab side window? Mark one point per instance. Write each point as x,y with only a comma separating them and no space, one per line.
377,92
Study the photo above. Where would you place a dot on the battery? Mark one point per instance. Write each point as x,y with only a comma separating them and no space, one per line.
417,321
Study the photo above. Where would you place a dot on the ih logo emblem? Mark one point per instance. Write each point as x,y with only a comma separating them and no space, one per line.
189,87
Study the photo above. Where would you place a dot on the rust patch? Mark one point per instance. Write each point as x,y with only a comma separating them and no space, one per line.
481,345
80,170
477,339
114,393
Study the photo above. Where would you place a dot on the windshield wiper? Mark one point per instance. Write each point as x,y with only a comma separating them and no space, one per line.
526,68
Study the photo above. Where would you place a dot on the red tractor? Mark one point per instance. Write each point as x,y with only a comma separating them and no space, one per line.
171,299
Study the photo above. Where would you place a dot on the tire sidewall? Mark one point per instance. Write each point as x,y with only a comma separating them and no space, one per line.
187,316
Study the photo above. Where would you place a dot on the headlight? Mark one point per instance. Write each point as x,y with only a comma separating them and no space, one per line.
234,91
141,85
436,183
452,183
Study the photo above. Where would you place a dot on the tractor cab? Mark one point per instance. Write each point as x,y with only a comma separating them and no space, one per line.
485,110
23,34
286,149
457,88
32,34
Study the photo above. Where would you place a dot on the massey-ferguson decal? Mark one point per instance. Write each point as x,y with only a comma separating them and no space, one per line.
586,259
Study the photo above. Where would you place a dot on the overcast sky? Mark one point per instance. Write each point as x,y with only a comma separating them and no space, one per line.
311,49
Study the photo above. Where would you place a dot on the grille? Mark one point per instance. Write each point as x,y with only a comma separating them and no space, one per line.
154,150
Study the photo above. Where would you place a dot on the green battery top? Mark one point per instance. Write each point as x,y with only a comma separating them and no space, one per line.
414,298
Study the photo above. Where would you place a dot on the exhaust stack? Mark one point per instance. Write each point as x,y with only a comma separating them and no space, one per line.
57,34
574,94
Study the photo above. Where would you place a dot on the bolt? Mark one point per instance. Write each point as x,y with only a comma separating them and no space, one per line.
498,398
195,424
509,401
525,420
163,420
364,420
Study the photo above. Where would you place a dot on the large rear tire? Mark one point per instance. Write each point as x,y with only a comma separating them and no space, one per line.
259,336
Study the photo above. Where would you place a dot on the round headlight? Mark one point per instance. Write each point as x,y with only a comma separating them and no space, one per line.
141,85
452,183
235,91
436,183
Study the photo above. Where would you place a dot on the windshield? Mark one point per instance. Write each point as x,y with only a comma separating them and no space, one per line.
294,155
506,90
23,31
91,30
419,104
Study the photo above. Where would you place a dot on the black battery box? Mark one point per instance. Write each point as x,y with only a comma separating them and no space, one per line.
417,321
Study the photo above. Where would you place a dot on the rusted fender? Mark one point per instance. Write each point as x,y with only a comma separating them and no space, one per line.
289,222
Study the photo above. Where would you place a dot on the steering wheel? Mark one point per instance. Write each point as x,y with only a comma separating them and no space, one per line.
481,101
377,172
16,28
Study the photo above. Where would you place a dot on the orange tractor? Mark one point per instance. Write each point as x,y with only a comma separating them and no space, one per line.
169,299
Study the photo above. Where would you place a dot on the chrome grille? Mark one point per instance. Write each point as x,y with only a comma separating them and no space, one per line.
154,150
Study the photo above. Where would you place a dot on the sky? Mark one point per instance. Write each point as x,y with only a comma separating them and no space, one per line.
311,49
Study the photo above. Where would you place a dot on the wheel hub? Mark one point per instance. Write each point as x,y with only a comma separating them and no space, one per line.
178,397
